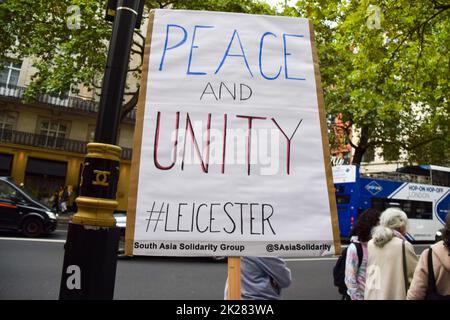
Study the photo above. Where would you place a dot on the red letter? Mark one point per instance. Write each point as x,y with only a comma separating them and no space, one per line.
288,143
205,163
249,137
174,150
224,141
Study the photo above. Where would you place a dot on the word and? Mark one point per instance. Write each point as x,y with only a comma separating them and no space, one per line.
245,92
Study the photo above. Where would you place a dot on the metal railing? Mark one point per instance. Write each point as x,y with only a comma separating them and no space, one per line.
49,142
77,104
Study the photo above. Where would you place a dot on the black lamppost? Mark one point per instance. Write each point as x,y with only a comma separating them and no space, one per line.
90,259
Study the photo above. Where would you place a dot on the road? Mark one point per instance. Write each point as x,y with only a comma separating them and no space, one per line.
31,269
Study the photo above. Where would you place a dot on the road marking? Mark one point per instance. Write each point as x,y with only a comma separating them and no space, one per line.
34,240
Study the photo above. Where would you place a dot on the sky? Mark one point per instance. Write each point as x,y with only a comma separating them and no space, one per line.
277,2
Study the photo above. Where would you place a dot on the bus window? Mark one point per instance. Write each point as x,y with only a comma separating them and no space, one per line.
379,204
343,199
413,209
440,178
421,210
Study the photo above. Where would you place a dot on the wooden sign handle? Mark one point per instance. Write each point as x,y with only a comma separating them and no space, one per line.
234,278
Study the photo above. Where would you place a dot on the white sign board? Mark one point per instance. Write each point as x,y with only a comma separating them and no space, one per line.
344,174
229,153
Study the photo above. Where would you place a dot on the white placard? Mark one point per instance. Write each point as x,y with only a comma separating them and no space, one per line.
231,153
344,174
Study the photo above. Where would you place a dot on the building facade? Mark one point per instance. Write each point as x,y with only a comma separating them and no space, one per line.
43,143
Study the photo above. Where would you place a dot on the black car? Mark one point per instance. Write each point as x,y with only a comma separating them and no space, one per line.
19,211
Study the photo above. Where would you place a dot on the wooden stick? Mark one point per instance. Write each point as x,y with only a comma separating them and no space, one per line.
325,145
138,129
234,278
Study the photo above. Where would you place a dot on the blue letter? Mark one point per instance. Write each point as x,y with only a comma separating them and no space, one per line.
288,54
234,55
174,46
260,57
192,47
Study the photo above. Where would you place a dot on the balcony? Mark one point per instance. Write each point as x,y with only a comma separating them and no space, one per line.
49,142
76,104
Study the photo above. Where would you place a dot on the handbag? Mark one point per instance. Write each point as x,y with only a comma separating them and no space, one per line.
405,271
432,293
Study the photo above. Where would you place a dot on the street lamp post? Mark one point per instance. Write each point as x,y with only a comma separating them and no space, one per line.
90,258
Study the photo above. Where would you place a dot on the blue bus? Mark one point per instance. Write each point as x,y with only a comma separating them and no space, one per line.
422,192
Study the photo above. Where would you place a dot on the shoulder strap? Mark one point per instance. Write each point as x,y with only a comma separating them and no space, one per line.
405,271
359,251
431,278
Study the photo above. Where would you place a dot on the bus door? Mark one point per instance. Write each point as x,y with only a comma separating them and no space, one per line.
344,201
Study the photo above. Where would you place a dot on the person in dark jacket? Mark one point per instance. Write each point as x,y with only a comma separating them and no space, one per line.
55,201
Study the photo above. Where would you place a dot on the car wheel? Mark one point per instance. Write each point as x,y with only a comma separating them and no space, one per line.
32,227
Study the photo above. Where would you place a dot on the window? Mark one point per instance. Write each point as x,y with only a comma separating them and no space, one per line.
9,74
7,124
413,209
6,161
91,133
440,178
6,191
52,134
343,199
7,120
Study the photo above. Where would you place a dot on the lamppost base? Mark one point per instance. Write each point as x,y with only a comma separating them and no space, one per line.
90,261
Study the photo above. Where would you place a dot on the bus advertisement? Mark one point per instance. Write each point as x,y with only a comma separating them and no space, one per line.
422,192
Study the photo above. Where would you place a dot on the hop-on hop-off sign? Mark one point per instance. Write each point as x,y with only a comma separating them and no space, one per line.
231,151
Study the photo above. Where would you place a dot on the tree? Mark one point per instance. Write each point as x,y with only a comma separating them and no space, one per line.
68,40
386,68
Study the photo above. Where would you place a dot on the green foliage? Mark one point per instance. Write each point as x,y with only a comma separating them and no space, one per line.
391,80
68,39
64,53
244,6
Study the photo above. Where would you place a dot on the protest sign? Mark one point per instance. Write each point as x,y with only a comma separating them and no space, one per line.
231,150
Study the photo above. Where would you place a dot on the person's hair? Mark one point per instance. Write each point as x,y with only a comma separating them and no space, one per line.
394,218
366,221
390,219
446,233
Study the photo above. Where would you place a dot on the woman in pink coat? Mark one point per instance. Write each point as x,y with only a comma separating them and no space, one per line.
419,288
